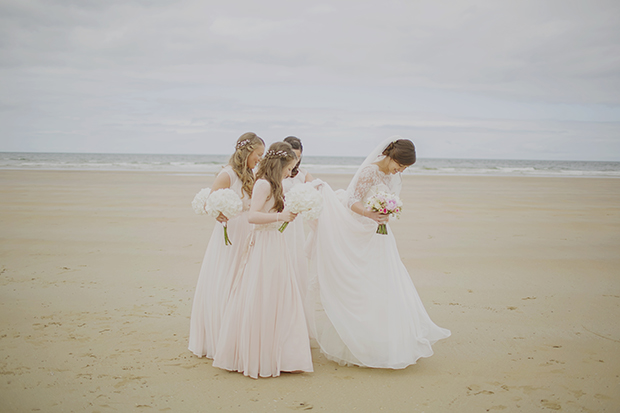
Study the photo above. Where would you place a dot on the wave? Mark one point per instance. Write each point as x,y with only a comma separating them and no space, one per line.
211,164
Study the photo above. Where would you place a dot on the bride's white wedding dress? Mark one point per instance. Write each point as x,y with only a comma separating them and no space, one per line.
367,310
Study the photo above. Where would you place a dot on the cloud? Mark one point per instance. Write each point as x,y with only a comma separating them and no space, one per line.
140,75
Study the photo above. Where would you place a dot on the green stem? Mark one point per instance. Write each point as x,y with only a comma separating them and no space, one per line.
226,239
382,229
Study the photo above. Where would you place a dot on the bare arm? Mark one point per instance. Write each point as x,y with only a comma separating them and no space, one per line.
221,181
309,177
260,195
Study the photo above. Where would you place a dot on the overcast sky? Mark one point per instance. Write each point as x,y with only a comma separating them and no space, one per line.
462,79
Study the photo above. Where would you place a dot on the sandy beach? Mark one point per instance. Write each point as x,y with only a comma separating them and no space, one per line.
98,271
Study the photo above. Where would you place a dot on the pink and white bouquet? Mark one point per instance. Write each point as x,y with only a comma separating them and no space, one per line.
225,201
387,204
303,199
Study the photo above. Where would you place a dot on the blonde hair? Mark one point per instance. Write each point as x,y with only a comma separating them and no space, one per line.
246,144
271,169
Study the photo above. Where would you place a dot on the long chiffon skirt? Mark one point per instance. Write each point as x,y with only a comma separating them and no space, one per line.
295,239
215,283
264,330
367,310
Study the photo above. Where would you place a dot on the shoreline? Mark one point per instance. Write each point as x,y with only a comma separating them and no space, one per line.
406,175
314,164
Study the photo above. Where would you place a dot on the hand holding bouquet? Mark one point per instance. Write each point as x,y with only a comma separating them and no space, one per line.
224,201
303,199
386,204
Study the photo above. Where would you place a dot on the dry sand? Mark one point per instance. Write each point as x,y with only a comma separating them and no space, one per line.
98,271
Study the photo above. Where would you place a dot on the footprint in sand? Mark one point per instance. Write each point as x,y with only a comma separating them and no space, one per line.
475,390
602,396
577,393
302,406
552,363
550,405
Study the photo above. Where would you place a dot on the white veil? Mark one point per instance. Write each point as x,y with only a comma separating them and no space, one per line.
374,156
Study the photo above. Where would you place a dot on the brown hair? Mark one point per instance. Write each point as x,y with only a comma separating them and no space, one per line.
271,168
402,151
296,144
246,144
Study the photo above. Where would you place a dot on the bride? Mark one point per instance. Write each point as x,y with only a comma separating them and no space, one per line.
368,312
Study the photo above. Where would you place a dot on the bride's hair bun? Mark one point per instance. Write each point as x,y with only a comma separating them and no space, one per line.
402,151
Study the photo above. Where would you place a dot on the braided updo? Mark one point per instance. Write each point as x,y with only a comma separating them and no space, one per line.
402,151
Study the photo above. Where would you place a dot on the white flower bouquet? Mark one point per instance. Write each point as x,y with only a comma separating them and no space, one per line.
303,199
224,201
387,204
200,201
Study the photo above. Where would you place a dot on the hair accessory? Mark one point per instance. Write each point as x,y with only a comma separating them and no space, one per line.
242,144
275,154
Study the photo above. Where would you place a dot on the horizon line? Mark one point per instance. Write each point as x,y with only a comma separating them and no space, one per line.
326,156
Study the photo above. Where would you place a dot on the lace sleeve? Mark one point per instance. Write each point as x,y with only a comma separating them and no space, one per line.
367,179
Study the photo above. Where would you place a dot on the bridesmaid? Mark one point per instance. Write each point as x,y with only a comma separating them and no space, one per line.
298,174
264,328
216,274
294,233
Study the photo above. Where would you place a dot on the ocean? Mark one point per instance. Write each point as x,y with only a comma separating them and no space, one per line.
211,164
